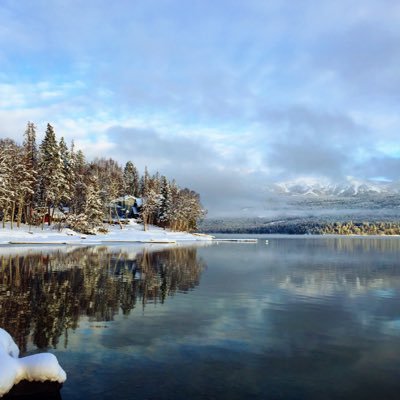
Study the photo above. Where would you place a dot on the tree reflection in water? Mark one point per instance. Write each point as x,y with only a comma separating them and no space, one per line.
44,294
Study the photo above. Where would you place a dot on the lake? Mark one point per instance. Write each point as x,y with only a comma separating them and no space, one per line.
294,318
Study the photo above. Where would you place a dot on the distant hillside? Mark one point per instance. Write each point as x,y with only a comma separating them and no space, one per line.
303,225
320,206
314,197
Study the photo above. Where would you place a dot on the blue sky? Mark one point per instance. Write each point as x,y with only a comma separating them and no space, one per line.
225,96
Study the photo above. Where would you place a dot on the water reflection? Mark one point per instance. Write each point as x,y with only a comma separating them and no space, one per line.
322,267
43,295
309,318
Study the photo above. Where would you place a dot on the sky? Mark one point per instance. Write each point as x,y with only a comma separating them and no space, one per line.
225,96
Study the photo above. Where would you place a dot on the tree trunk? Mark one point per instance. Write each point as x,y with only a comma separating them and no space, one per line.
43,217
110,217
52,213
20,209
116,212
5,217
29,216
12,214
48,213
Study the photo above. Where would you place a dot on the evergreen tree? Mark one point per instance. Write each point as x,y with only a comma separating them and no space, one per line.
93,205
80,171
155,182
144,182
111,182
165,203
67,171
21,182
30,161
151,204
52,179
6,189
151,198
131,179
15,181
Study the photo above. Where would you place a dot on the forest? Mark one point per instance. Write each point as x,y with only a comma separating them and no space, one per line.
322,225
53,182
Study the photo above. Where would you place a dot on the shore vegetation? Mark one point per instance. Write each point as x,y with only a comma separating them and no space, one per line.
52,183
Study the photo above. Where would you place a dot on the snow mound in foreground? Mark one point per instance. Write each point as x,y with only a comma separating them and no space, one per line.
39,367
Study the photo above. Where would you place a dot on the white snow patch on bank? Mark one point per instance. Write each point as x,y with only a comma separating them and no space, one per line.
132,232
38,367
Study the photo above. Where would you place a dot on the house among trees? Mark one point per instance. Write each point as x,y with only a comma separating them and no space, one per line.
127,206
51,182
56,215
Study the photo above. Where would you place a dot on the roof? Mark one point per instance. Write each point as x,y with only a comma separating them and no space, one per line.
56,212
123,198
126,199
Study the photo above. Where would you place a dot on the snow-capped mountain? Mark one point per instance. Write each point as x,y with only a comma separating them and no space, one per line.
351,187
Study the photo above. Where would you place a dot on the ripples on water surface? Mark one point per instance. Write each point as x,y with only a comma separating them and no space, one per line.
299,318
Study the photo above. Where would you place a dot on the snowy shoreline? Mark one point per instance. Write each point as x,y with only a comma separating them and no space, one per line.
130,233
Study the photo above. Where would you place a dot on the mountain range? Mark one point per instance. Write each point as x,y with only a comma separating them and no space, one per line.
302,205
351,187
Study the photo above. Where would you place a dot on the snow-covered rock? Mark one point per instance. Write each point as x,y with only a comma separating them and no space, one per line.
38,367
7,344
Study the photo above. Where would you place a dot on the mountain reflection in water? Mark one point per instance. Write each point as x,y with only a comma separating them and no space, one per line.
44,294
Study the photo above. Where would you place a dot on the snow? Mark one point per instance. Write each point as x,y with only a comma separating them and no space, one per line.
350,186
38,367
132,232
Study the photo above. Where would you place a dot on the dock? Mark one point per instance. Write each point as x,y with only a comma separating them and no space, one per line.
41,243
158,241
236,240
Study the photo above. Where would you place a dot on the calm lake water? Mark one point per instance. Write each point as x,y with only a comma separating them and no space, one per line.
297,318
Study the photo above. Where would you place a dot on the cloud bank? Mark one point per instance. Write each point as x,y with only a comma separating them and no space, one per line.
226,97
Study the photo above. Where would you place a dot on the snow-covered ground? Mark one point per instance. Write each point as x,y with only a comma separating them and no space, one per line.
133,232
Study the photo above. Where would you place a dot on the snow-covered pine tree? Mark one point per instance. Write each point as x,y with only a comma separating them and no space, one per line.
186,209
68,172
152,198
144,182
131,179
51,179
151,204
15,181
192,208
16,177
111,182
164,215
80,172
155,182
23,180
175,212
31,165
6,189
94,210
31,153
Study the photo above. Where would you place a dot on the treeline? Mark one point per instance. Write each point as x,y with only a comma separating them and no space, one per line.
359,228
37,182
301,226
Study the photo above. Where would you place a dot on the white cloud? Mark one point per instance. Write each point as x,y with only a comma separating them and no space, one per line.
252,91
